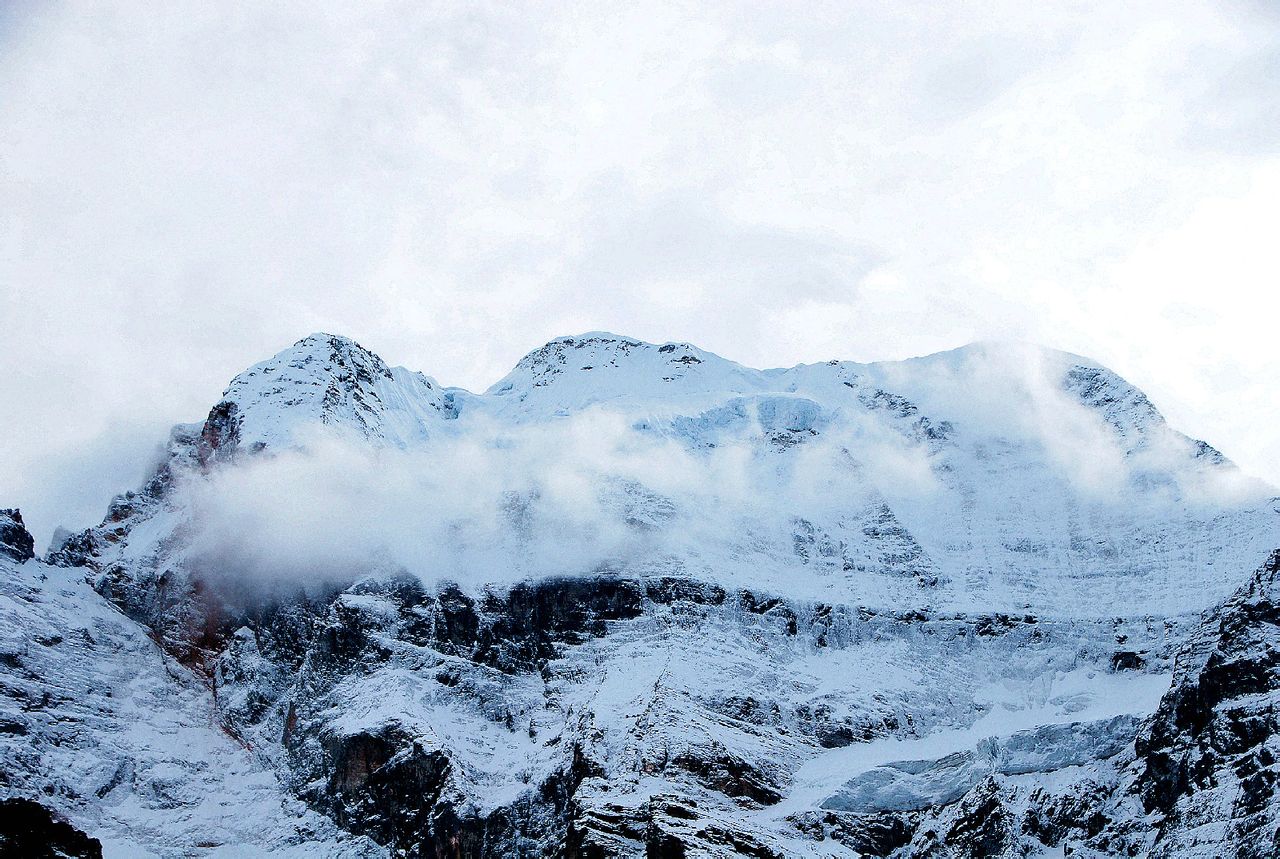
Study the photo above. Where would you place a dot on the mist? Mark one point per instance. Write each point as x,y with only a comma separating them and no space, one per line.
487,502
494,505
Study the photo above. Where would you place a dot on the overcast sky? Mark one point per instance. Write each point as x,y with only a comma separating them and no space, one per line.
187,188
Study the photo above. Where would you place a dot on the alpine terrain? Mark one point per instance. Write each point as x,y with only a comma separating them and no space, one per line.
640,600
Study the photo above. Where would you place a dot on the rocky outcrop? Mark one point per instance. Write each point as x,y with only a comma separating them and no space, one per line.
358,687
386,774
103,729
367,694
221,433
323,380
29,830
1211,755
15,541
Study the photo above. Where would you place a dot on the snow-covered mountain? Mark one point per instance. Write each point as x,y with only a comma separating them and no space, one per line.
639,599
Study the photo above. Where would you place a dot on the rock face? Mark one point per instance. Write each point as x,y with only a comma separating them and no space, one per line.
1196,778
15,541
573,699
842,609
29,829
1210,752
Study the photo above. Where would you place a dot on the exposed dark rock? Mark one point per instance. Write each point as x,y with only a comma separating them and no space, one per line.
1127,660
384,785
221,432
663,827
771,607
15,541
77,550
28,830
522,628
730,775
983,827
1209,753
669,589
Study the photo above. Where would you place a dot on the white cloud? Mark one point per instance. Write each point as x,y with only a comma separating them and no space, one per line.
184,190
502,503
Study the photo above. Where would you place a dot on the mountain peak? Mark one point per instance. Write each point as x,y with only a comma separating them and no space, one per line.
604,343
324,379
336,349
597,366
929,598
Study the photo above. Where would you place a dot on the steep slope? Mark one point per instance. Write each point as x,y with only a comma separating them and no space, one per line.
99,725
1210,754
661,603
993,478
1197,779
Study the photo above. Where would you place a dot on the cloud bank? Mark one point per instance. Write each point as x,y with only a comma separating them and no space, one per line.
183,191
485,502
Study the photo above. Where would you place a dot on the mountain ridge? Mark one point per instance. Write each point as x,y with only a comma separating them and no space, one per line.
546,366
1066,431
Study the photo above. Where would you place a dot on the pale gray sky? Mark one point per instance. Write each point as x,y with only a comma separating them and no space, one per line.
187,188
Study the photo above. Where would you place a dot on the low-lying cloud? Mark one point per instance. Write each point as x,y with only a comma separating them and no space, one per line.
498,504
486,503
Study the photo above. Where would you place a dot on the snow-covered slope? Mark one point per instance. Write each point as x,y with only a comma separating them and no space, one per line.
639,598
98,724
1006,478
324,381
571,373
